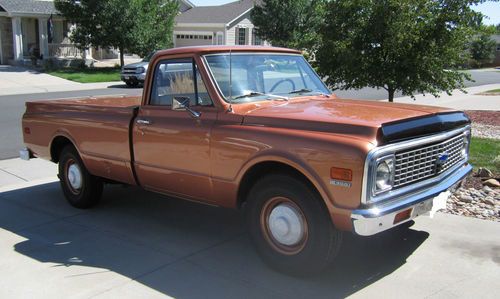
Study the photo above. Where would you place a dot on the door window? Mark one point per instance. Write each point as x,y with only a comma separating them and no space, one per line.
174,78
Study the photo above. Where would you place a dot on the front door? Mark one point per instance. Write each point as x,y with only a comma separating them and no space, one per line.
171,147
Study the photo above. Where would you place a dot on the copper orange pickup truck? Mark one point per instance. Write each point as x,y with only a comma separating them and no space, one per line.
255,128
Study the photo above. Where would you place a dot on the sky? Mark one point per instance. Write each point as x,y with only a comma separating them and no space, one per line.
490,9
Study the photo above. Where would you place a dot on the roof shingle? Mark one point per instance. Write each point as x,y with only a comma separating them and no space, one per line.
221,14
28,7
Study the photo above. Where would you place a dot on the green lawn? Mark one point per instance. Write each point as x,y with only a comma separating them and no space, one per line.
485,153
493,91
89,75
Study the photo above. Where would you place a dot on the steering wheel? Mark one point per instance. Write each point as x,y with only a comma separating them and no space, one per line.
280,82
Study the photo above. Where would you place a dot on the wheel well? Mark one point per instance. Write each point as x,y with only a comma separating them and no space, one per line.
264,168
57,146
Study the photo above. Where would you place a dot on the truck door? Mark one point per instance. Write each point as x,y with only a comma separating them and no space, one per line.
171,134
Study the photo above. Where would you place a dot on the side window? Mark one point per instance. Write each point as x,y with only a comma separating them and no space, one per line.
203,98
174,78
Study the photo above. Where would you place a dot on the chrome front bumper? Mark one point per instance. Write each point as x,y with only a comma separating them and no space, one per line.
380,217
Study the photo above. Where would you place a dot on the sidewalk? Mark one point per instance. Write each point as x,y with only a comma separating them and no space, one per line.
459,100
20,80
17,173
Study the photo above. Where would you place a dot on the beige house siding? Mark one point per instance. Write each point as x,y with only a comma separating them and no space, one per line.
6,40
242,22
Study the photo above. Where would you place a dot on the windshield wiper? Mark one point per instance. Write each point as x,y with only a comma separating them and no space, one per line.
249,95
256,93
304,90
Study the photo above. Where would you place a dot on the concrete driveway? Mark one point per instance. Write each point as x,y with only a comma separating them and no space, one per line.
136,244
20,80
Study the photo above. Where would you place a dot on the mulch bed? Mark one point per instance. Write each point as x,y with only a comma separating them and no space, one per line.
491,118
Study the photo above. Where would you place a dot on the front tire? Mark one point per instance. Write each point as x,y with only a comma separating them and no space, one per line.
132,83
81,189
290,226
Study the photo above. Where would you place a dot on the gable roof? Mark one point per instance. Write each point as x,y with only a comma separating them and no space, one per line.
221,14
28,7
188,3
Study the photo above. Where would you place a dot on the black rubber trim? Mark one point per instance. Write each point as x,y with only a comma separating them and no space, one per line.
427,125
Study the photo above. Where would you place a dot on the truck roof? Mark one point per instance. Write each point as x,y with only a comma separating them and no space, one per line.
215,49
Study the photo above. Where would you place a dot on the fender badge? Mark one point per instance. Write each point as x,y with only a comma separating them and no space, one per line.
340,183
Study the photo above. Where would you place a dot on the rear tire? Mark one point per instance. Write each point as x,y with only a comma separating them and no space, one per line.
290,226
132,83
81,189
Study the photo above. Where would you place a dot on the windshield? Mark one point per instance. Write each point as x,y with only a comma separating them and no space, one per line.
255,77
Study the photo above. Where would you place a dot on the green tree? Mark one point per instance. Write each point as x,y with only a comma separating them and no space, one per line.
292,24
99,23
482,49
154,25
410,46
139,26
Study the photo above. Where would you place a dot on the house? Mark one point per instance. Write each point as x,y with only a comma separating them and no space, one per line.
228,24
33,24
496,38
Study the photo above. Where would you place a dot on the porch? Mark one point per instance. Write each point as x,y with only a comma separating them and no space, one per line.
42,37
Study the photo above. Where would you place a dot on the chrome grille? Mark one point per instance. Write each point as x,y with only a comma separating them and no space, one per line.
421,163
129,70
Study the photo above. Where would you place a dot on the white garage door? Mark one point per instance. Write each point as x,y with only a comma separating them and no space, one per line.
185,40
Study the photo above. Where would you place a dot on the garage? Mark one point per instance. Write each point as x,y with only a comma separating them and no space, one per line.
192,39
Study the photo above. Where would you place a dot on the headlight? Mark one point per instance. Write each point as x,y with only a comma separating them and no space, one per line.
140,70
384,175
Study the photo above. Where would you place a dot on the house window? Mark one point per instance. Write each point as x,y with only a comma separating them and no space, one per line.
241,36
256,39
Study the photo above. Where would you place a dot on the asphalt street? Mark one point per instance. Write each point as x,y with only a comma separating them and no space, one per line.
12,106
479,77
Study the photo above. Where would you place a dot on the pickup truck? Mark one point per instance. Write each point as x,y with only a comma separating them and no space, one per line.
255,128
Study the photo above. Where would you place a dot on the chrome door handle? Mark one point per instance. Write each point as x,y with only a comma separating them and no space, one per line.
143,122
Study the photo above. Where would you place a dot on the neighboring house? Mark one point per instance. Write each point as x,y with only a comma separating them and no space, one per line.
24,25
496,38
228,24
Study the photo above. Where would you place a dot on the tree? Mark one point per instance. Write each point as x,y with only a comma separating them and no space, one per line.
399,45
154,25
482,49
140,26
99,23
292,24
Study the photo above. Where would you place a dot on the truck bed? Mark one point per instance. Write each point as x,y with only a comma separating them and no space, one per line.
99,127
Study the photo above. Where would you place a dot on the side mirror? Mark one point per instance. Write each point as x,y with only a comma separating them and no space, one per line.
182,103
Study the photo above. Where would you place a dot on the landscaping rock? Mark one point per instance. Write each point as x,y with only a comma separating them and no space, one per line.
470,202
466,198
492,183
484,173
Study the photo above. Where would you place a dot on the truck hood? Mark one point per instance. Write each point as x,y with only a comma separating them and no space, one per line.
371,120
137,64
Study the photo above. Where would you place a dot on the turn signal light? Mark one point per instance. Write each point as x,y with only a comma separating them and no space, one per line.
402,216
27,130
341,174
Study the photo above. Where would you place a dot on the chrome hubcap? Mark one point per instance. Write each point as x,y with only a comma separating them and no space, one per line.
75,177
286,224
